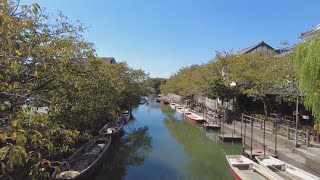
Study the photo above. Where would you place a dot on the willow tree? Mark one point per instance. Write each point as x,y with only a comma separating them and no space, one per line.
306,58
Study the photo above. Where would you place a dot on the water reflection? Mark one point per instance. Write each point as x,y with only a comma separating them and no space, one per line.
166,147
207,158
132,149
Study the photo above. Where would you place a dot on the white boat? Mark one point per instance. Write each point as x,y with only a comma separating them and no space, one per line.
244,168
180,110
283,169
193,118
173,105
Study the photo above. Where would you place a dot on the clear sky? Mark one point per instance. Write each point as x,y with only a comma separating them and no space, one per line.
161,36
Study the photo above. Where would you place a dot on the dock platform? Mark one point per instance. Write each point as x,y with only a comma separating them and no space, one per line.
211,126
230,138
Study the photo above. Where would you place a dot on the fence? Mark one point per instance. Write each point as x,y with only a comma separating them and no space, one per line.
304,136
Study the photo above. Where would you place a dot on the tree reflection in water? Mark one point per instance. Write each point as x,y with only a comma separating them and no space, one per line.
208,158
132,149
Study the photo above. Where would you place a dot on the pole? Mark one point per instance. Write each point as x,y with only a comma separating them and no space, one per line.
244,135
275,138
251,135
297,119
264,137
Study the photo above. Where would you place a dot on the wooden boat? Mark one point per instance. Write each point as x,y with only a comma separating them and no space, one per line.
158,100
86,160
283,170
173,105
181,110
112,129
193,118
244,168
126,116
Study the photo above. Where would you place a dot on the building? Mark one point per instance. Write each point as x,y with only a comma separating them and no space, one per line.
109,60
309,34
260,47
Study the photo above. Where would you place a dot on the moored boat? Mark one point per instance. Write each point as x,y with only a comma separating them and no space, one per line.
181,110
112,129
126,116
173,105
244,168
193,118
158,100
86,160
284,170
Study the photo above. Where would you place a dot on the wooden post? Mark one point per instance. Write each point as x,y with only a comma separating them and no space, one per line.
251,136
264,136
244,139
307,138
275,139
234,126
288,132
261,122
272,127
241,123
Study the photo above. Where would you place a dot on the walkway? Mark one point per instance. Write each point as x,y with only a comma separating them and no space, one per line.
306,158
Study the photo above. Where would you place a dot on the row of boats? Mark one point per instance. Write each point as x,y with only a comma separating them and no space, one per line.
244,168
87,160
267,167
187,114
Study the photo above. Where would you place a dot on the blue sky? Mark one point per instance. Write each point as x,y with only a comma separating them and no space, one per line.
161,36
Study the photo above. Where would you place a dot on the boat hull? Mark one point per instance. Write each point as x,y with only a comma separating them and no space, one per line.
104,130
193,120
284,168
90,170
126,117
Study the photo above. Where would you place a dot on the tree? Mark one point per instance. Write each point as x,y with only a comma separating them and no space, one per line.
306,58
187,82
44,57
258,74
216,74
155,83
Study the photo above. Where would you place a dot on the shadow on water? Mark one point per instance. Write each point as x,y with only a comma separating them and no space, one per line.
132,149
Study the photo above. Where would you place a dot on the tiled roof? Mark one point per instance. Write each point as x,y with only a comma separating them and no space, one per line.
247,50
109,60
310,32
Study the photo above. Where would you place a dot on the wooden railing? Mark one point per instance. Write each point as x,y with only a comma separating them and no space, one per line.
304,136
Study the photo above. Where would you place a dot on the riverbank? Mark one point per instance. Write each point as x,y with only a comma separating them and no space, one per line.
306,158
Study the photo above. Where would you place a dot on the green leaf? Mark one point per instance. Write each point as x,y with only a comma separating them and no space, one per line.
4,151
3,167
2,137
37,132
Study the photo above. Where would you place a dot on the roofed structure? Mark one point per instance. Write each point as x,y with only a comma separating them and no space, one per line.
310,33
262,46
109,60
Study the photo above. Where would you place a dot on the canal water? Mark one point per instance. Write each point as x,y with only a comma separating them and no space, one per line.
158,144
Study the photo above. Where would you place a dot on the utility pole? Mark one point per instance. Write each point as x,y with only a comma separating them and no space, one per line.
297,118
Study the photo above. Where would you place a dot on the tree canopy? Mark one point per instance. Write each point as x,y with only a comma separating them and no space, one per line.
45,58
306,58
255,75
